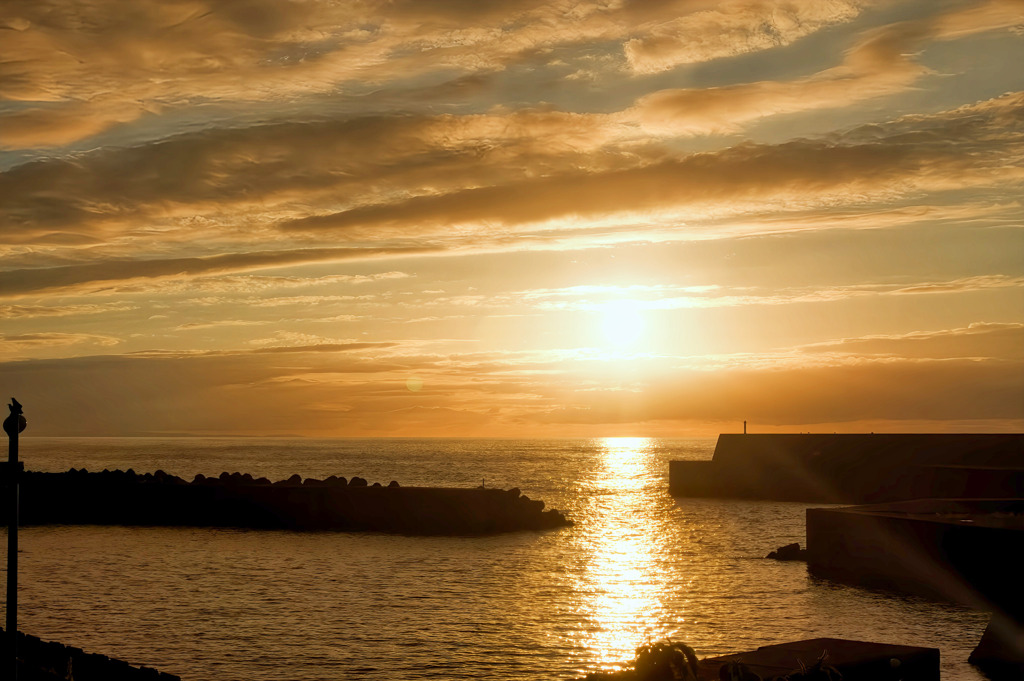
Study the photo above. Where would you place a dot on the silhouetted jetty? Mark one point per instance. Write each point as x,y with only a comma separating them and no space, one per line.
239,500
40,660
855,468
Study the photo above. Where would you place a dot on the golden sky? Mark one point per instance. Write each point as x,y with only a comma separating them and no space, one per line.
521,219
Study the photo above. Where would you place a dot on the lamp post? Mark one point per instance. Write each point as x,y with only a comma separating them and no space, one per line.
13,425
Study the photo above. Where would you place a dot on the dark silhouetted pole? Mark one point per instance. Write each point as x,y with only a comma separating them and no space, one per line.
13,425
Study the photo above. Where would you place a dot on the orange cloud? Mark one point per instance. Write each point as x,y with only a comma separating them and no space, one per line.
34,341
361,389
997,341
81,277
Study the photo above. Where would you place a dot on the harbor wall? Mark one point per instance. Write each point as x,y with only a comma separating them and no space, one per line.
961,550
855,468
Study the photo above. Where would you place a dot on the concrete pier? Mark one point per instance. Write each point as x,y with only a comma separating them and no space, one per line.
855,468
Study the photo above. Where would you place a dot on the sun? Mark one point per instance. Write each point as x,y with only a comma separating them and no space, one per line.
622,323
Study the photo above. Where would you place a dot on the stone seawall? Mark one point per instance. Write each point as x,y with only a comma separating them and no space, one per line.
855,468
236,500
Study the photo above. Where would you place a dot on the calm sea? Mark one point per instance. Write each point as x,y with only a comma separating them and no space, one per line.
247,605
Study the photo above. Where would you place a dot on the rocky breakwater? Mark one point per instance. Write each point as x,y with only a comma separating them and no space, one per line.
240,500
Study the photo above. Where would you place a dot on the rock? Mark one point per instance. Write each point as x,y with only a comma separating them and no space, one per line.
788,552
393,483
199,479
357,482
295,479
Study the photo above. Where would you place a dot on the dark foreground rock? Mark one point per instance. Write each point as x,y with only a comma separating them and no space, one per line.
236,500
49,661
830,659
819,659
1000,653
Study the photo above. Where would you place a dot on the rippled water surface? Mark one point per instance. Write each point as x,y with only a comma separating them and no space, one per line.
220,605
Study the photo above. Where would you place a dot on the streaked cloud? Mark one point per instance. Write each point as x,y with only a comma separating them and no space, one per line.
32,341
85,277
982,340
36,311
881,63
731,28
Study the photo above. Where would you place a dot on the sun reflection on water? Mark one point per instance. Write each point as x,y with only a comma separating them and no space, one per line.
620,576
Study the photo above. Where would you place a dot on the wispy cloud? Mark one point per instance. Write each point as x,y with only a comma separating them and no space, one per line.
88,276
597,297
730,29
881,63
33,341
996,341
39,311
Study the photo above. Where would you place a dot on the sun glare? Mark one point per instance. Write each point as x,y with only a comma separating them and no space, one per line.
624,600
622,323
